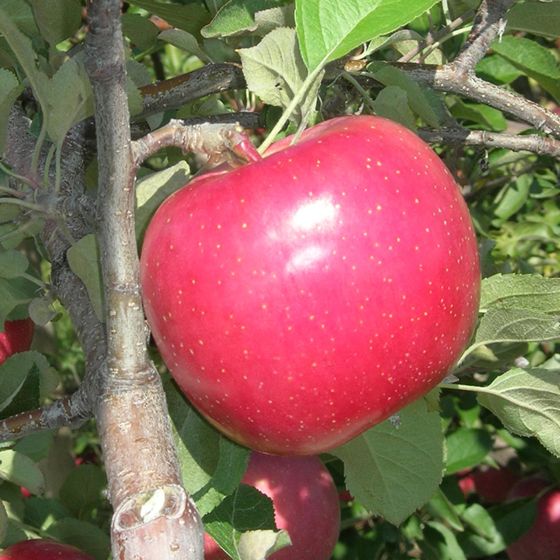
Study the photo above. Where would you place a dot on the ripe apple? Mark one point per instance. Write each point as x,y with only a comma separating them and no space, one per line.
300,299
492,485
40,549
306,505
16,337
542,540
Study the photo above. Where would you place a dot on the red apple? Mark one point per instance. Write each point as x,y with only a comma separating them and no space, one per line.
16,337
300,299
492,485
39,549
306,505
542,540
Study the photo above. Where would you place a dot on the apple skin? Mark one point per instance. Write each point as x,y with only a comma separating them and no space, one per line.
491,485
40,549
16,337
542,540
301,299
306,505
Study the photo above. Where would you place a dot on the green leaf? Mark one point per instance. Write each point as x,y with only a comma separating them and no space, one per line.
275,71
184,41
498,70
237,17
191,17
42,512
441,507
83,535
13,264
535,60
41,310
10,89
70,99
22,16
83,490
492,530
35,446
57,19
466,448
329,29
212,466
396,467
84,260
15,295
520,291
246,510
514,325
486,116
3,522
21,46
28,397
526,401
21,471
152,190
267,20
426,105
256,545
513,197
539,18
392,103
14,372
140,30
440,543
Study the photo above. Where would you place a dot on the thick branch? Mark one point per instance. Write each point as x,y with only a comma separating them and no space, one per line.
72,410
175,92
489,23
448,79
152,510
541,145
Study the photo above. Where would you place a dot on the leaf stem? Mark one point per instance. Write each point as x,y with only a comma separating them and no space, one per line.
21,178
38,148
363,92
290,108
23,204
460,387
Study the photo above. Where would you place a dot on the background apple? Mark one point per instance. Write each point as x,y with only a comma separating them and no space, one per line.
301,299
39,549
16,337
542,540
492,485
306,505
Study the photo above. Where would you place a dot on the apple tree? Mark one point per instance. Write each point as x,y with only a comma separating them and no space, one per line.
323,227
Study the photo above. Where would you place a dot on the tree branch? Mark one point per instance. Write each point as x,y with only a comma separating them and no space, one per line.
541,145
216,141
153,515
489,23
175,92
446,78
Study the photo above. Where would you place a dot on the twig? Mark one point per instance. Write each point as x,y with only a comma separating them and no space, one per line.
69,411
541,145
217,141
433,38
153,515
